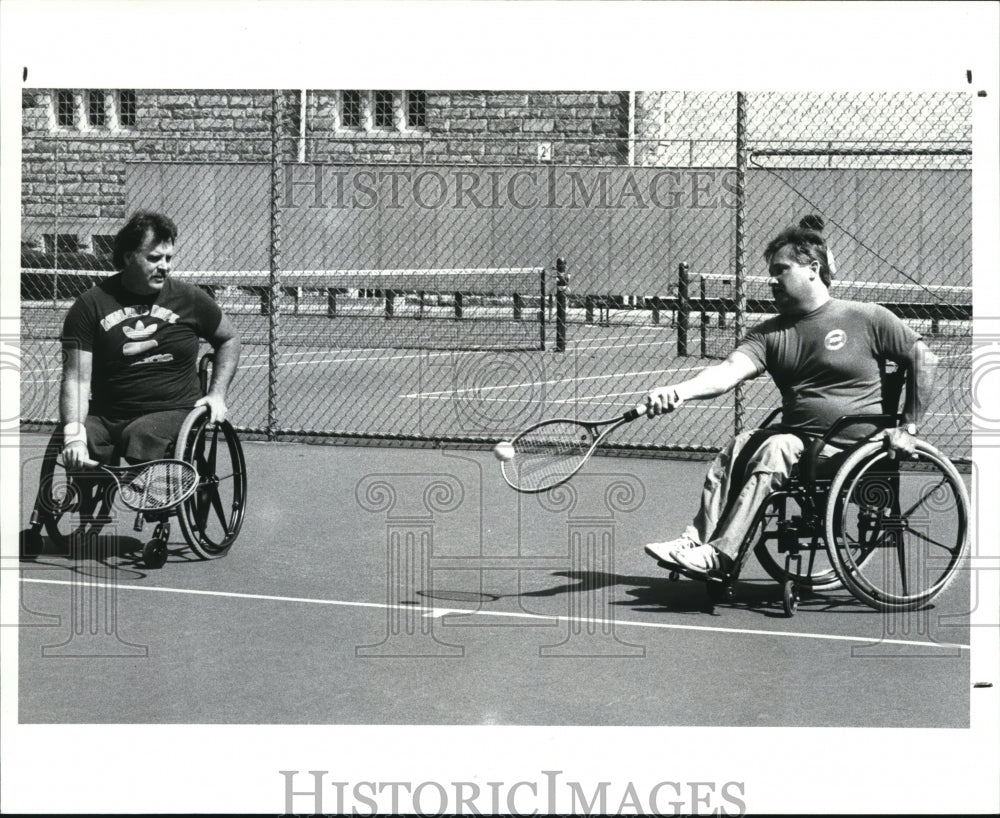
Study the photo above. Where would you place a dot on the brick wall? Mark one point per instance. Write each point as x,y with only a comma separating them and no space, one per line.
73,180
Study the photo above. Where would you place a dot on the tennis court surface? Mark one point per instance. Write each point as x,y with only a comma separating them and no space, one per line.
411,586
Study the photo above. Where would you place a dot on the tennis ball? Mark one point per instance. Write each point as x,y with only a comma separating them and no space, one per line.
503,451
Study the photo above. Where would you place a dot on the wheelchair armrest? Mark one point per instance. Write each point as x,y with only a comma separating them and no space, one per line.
880,421
809,463
205,371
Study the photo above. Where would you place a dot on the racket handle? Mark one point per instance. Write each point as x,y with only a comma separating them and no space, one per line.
636,412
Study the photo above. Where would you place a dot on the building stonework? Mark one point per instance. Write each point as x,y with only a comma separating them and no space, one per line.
75,159
74,176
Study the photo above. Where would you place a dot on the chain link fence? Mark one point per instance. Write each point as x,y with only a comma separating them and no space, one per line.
410,288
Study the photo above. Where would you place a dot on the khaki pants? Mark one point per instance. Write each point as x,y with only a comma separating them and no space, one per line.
723,520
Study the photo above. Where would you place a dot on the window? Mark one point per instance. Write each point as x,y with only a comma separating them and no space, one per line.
94,110
97,116
382,110
64,109
350,116
60,242
416,109
126,109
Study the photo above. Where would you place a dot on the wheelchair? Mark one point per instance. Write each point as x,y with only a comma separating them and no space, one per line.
893,532
72,506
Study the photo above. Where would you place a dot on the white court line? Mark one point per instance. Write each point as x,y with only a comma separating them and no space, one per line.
436,612
336,358
549,383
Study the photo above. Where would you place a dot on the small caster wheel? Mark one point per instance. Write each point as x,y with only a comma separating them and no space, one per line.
673,576
154,553
790,597
31,543
721,591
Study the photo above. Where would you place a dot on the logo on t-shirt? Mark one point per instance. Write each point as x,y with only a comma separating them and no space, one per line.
139,331
835,339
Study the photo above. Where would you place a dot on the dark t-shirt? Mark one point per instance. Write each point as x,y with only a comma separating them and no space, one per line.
827,363
145,348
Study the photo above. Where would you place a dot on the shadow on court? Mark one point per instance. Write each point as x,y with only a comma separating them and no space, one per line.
398,586
648,594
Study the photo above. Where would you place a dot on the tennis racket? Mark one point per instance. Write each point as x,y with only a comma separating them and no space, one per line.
157,485
549,453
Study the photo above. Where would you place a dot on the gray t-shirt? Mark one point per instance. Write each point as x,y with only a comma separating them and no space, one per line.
827,363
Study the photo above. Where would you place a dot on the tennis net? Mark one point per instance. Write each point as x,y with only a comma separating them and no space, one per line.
942,313
461,309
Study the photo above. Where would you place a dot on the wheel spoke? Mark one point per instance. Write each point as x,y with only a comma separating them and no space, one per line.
901,559
201,507
924,496
213,449
219,510
920,535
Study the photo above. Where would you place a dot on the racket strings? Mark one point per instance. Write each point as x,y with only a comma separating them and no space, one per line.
548,456
156,486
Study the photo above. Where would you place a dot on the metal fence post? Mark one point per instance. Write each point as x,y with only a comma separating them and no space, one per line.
739,294
274,282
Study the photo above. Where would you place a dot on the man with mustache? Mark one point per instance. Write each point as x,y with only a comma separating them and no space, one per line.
825,356
130,349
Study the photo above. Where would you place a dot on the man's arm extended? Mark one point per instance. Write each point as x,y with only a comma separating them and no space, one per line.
708,383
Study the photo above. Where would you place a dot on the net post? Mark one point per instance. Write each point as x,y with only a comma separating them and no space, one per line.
390,303
517,306
541,310
562,295
459,306
703,330
588,307
331,302
683,309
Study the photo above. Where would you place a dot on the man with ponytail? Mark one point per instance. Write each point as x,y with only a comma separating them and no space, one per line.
826,356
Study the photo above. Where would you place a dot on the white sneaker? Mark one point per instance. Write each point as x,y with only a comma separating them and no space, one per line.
703,559
664,552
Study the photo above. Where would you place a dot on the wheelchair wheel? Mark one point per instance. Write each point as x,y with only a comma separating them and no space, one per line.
211,518
896,532
790,597
70,506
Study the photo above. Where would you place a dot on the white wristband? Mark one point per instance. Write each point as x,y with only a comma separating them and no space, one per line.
74,432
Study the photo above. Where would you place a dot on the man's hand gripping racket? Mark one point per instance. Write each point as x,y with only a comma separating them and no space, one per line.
549,453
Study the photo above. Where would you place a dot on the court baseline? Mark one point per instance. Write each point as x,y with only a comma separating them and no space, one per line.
439,612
